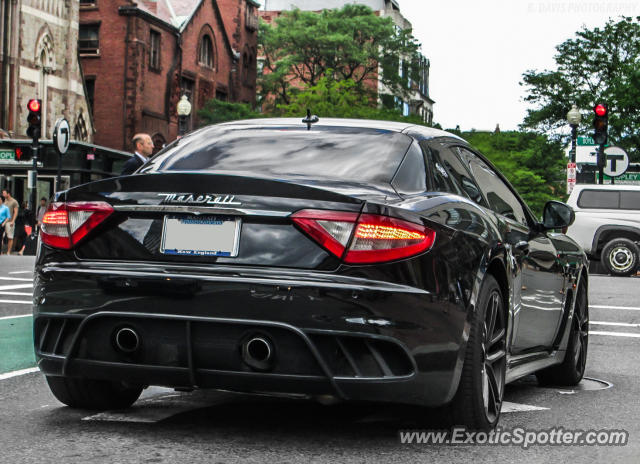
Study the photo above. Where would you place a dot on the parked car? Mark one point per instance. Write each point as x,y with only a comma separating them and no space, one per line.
607,225
366,260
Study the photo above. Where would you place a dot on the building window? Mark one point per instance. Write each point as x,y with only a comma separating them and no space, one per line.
205,57
154,50
88,3
89,39
90,86
245,68
251,18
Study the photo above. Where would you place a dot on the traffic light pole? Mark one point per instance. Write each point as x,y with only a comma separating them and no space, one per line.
601,161
35,147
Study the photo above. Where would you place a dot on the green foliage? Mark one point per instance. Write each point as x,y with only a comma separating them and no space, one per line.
599,65
216,111
349,43
339,99
533,164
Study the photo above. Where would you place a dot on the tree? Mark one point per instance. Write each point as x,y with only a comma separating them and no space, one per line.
531,162
216,111
599,65
344,44
339,99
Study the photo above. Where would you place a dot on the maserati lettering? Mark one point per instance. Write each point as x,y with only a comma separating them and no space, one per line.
208,199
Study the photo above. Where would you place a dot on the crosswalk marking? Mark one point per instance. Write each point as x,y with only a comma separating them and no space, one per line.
621,324
16,278
15,317
16,293
615,334
16,302
15,287
8,375
629,308
21,272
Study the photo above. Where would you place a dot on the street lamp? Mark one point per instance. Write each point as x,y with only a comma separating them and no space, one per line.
184,110
574,117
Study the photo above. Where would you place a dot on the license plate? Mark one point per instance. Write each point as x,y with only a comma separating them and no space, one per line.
200,236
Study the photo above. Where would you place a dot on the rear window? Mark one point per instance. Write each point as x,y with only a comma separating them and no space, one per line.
609,199
350,154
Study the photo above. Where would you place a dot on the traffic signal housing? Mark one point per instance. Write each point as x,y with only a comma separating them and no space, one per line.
34,118
600,123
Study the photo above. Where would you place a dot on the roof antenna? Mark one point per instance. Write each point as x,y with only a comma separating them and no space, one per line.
310,119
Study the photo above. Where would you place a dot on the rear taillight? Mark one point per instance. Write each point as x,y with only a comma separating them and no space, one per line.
375,239
65,224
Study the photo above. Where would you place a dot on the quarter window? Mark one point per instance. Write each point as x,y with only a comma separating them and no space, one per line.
500,197
411,177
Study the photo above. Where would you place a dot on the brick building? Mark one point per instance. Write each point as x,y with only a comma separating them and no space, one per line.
139,57
38,59
419,102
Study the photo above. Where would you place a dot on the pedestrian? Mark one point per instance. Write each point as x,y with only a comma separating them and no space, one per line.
143,149
24,219
10,225
41,210
4,217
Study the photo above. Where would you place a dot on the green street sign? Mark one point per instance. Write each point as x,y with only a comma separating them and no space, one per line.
627,177
7,155
584,140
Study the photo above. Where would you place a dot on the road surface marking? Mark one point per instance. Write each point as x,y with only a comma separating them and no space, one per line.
16,278
616,334
621,324
16,293
16,302
15,317
630,308
15,287
507,406
21,272
8,375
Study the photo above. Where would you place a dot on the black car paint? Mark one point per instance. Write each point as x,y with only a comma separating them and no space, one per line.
421,305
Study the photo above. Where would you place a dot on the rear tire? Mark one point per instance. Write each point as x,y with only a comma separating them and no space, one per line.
478,401
620,257
98,395
571,371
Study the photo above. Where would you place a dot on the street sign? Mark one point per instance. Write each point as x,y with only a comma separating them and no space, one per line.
61,136
628,178
584,140
616,162
571,176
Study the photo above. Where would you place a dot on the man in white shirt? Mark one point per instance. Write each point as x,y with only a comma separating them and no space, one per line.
143,150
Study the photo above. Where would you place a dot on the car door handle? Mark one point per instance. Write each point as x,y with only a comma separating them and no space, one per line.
523,246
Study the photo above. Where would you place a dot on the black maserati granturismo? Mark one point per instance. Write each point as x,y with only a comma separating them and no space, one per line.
364,260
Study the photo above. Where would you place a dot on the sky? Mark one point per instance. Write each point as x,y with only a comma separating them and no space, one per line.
479,50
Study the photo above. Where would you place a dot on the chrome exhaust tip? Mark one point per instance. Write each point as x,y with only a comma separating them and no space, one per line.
127,340
258,352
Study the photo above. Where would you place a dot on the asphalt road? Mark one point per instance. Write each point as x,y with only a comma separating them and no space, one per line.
216,427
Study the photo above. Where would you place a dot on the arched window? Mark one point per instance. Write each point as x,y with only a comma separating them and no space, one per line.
205,56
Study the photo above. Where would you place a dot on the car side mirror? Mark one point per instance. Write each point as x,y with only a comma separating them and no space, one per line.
557,215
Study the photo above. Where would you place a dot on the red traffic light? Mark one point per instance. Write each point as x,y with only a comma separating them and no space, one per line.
34,105
600,109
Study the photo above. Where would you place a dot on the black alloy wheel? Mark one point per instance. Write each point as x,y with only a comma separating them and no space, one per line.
478,401
572,369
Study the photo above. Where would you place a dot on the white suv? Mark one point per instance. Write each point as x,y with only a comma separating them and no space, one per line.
607,224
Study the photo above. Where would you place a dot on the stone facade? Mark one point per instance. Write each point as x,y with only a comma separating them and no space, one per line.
39,60
151,52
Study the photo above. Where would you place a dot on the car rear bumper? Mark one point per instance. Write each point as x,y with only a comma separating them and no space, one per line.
356,338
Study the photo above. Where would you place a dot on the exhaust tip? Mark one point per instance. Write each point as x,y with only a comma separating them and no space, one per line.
127,340
258,352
